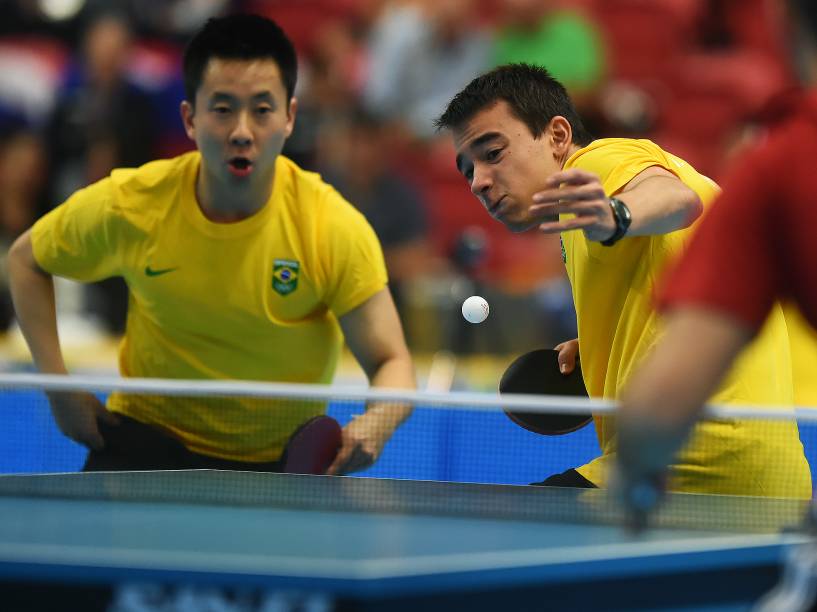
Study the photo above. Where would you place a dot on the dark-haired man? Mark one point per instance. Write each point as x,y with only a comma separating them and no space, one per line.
756,246
240,265
624,209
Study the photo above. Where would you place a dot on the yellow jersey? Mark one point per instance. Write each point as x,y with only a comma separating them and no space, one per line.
613,295
257,299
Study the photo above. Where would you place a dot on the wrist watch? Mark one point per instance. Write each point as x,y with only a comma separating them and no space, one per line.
622,217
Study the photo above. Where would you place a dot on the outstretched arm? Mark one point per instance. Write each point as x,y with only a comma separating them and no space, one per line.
375,337
32,291
666,394
659,202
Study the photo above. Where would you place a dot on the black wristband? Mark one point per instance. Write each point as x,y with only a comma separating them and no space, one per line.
623,219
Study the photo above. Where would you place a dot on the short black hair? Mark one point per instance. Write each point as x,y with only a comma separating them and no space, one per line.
534,96
243,37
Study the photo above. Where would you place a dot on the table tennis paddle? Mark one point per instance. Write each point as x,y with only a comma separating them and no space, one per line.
537,373
313,447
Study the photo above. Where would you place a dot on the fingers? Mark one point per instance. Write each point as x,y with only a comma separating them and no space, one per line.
86,430
360,446
334,469
76,416
342,457
588,203
560,194
89,412
592,209
567,355
351,458
574,191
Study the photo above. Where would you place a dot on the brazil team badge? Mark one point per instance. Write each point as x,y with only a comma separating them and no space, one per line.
285,276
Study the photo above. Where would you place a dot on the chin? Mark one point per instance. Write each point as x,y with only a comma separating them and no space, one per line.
521,225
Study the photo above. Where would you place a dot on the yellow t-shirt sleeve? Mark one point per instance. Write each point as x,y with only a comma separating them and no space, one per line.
352,257
621,160
78,238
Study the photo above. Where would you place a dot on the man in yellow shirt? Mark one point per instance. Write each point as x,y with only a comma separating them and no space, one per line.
240,265
624,208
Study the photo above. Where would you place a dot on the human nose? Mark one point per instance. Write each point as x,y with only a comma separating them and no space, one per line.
241,134
480,182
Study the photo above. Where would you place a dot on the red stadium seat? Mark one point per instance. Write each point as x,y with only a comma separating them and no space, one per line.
301,19
645,36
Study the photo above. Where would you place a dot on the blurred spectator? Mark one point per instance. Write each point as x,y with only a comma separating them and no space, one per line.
563,40
332,79
101,121
22,198
31,68
355,163
421,53
175,20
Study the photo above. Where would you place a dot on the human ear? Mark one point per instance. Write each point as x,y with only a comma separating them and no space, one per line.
292,111
187,111
561,134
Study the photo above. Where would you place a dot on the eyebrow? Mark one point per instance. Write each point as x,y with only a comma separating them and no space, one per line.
477,142
223,95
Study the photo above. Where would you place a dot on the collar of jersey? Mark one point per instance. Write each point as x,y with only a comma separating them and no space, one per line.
196,218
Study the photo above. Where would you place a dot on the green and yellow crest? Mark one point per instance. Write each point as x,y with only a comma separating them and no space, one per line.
285,276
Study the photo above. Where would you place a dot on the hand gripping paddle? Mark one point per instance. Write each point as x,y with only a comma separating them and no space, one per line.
313,447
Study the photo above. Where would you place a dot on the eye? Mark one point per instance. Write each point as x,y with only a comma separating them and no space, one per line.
221,110
492,155
263,110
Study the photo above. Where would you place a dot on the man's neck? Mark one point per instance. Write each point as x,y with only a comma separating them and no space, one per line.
228,204
570,151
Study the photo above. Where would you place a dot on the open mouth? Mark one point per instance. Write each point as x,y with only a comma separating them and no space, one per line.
240,166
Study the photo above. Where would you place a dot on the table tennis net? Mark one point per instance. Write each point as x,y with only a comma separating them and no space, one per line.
456,453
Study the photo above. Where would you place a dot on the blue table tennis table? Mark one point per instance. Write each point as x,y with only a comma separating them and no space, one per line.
213,540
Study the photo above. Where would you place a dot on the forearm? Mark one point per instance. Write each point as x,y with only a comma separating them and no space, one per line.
32,292
667,393
394,373
660,205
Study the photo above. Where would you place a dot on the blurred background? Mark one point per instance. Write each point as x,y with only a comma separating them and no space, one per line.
90,85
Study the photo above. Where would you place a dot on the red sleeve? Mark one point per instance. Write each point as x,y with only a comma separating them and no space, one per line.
730,264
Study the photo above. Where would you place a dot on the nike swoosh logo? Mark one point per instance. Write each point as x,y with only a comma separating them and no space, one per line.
151,272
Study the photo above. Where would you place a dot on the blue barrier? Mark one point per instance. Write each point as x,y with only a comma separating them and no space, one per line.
438,444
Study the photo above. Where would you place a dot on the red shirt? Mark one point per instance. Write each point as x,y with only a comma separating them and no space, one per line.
758,242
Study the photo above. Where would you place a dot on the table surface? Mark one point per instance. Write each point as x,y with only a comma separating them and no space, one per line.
367,538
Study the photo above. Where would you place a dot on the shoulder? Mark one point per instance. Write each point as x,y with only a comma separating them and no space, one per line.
157,174
618,160
617,147
132,199
153,185
315,198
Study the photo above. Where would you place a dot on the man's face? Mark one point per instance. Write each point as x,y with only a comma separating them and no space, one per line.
505,165
241,119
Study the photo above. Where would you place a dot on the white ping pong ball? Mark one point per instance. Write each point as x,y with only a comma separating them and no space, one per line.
475,309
